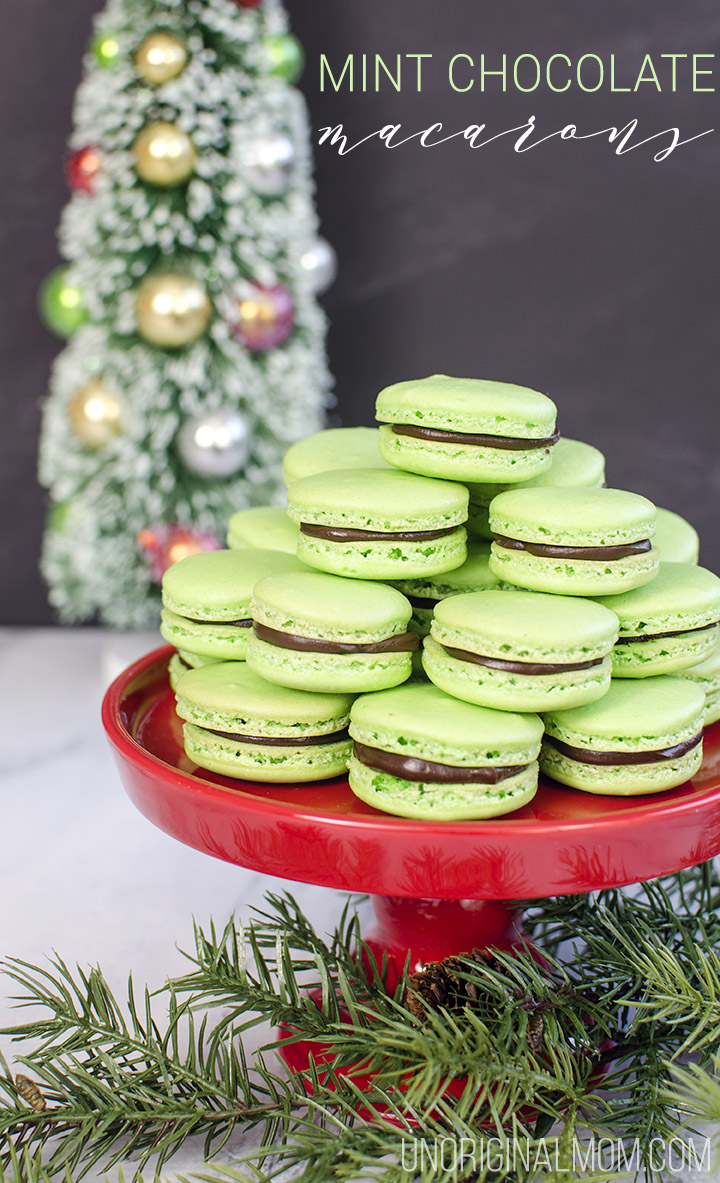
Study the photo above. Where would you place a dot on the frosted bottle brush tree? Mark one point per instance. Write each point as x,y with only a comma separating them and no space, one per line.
196,343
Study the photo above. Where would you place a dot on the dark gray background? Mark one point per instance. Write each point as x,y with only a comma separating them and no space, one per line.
590,276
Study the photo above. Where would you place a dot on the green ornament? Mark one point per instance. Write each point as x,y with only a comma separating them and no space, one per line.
285,57
106,48
61,303
58,516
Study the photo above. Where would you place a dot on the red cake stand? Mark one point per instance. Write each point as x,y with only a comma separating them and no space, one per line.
438,888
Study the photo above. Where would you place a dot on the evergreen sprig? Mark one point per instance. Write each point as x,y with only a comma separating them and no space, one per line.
587,1037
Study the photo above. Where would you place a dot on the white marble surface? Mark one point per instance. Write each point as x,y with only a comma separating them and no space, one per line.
81,871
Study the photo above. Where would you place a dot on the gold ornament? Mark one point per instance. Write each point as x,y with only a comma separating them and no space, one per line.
171,309
95,414
164,155
160,58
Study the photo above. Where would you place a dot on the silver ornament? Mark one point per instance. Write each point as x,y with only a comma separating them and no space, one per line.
214,445
268,161
320,264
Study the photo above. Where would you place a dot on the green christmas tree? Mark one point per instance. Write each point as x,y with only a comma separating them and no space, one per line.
196,351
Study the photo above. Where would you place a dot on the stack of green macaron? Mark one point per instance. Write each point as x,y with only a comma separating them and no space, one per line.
574,611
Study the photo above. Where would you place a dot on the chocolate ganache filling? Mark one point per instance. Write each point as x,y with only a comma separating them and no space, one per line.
587,756
282,741
343,534
521,667
601,554
411,768
245,623
403,643
507,443
681,632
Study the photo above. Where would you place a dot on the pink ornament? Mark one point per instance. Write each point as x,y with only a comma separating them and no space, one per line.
82,168
162,545
264,317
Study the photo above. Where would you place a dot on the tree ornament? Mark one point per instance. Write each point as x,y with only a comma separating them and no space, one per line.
106,48
248,3
214,445
268,161
264,317
81,169
285,57
171,309
164,155
95,414
160,58
61,303
320,264
162,545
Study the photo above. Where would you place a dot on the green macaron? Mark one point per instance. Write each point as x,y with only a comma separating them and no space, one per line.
420,754
466,429
573,464
320,632
238,724
573,541
474,576
520,651
206,599
369,523
706,676
676,539
265,527
667,625
641,737
336,447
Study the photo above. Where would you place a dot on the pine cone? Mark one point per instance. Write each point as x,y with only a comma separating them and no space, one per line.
440,984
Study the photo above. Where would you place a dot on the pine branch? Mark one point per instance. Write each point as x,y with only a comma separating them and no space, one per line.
111,1085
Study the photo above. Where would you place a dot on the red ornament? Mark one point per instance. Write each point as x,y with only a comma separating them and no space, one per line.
248,3
82,168
264,317
163,545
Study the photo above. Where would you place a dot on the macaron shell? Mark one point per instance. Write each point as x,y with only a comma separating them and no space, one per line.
329,608
230,696
526,626
337,447
676,539
258,762
217,585
419,720
384,500
180,662
470,405
573,517
622,780
573,577
505,691
262,528
461,462
218,640
634,716
391,560
350,673
441,802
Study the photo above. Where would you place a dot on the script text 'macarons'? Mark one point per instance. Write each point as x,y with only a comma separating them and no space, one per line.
522,138
525,72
